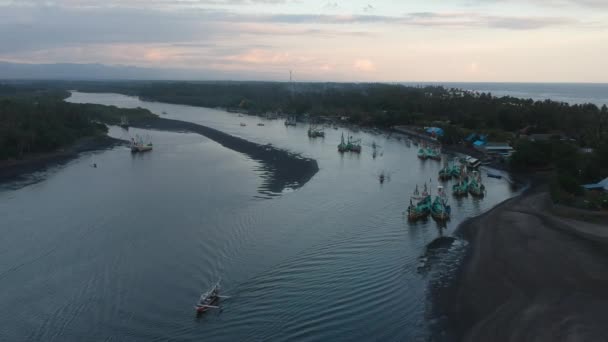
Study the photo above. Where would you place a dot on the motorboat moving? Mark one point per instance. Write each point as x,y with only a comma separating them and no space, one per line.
209,299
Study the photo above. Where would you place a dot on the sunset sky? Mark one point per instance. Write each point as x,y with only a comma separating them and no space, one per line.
373,40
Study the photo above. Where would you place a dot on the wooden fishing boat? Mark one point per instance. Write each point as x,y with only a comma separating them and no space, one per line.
208,299
138,145
440,209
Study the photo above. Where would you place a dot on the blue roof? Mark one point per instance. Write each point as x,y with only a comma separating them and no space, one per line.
471,137
479,143
436,130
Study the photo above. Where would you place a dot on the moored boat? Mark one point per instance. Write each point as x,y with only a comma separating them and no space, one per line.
138,145
291,121
315,132
351,145
440,209
476,187
420,205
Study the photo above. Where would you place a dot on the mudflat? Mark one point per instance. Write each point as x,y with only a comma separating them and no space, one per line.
532,275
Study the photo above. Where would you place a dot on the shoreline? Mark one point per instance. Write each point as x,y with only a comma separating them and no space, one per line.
528,275
283,169
13,170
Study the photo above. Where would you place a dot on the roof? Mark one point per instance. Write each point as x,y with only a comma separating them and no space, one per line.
479,143
435,130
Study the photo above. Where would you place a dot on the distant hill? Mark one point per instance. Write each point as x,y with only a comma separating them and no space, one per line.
71,71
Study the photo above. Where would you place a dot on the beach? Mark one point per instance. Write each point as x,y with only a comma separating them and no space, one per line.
531,275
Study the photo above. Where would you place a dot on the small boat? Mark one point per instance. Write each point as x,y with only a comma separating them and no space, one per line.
315,132
476,188
208,299
164,113
243,124
351,145
260,124
494,175
440,209
291,121
420,205
138,145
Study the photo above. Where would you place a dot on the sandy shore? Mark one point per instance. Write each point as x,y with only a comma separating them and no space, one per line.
11,170
530,276
283,169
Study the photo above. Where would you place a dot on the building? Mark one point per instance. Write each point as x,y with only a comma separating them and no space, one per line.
500,149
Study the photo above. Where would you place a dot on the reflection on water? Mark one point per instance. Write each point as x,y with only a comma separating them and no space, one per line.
121,252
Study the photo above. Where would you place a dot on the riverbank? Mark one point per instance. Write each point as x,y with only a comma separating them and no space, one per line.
530,275
13,169
283,169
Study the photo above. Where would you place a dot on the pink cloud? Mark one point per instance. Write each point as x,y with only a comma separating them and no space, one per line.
364,65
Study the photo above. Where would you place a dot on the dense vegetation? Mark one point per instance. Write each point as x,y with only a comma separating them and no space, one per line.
37,120
458,112
382,105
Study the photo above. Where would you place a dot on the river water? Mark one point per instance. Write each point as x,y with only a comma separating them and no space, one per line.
121,252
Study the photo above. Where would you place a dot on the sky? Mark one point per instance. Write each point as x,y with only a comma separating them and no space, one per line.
319,40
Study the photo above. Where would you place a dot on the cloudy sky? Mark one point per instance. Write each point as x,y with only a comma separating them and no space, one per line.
339,40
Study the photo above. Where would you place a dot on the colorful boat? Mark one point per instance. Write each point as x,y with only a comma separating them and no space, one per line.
420,205
422,154
476,188
138,145
315,132
440,209
351,145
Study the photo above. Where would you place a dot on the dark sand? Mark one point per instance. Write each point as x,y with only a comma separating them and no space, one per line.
12,170
281,169
530,276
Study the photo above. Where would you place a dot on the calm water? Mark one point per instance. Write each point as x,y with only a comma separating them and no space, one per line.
573,93
121,252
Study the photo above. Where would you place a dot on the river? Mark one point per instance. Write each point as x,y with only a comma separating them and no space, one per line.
121,252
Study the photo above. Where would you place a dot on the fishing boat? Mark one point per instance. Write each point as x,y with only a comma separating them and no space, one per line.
291,121
420,205
350,145
433,153
124,122
440,209
422,154
444,173
138,144
208,299
476,188
354,145
315,132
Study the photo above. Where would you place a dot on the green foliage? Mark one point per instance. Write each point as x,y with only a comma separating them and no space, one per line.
33,121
